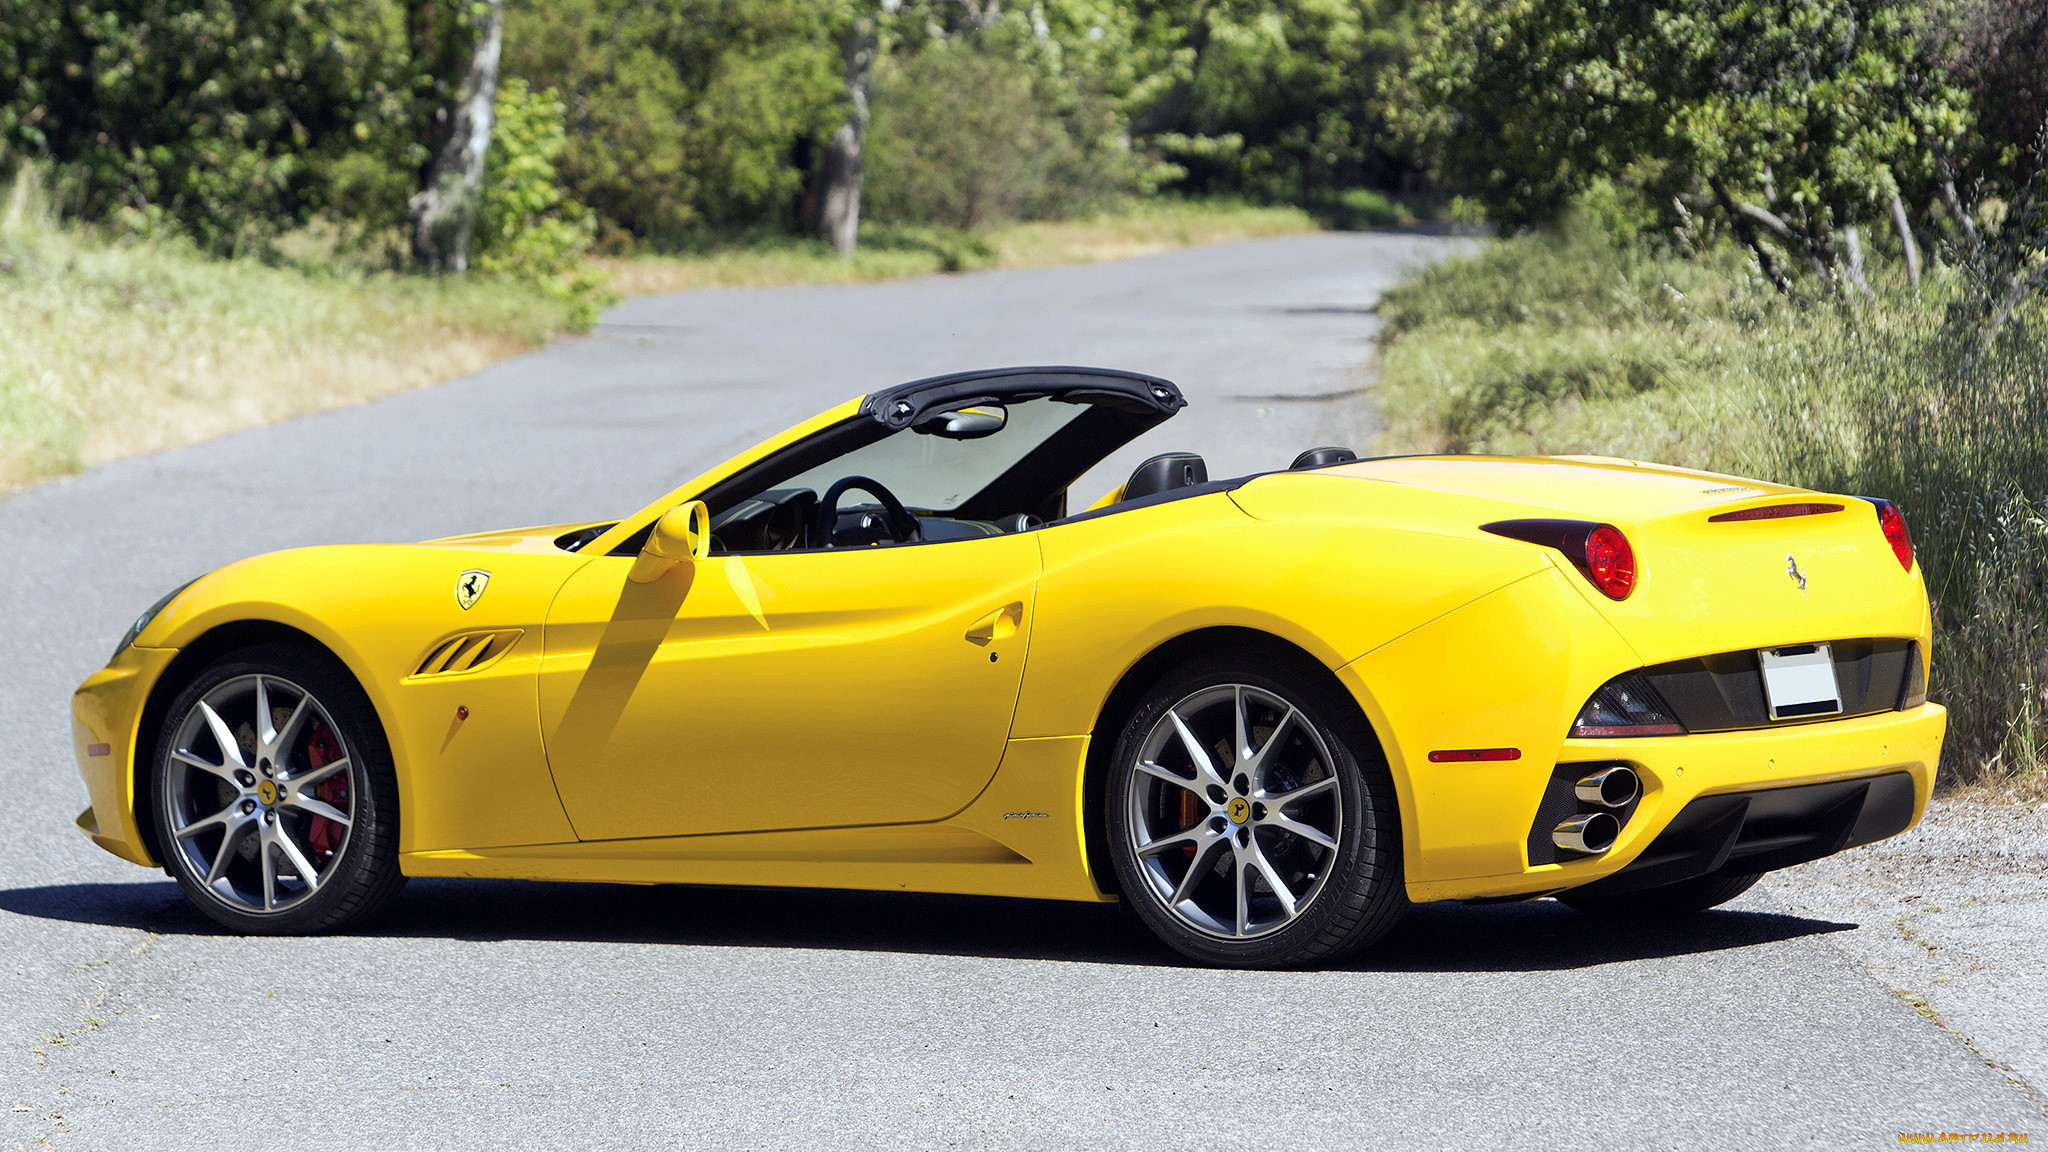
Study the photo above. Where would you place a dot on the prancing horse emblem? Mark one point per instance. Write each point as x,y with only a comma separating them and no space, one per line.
469,586
1791,569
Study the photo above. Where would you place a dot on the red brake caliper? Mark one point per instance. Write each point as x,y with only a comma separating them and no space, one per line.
324,834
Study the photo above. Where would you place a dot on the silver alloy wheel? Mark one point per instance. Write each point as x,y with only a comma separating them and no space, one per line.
259,793
1234,811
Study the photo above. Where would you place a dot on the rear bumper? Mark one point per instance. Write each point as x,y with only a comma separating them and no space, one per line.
1722,798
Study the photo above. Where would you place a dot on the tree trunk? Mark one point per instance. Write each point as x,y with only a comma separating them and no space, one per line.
2016,288
1954,202
1906,242
444,211
1855,264
838,217
1739,220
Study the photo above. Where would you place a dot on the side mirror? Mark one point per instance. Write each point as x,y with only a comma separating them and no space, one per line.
681,536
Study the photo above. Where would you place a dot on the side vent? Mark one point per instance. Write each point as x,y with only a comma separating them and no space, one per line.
467,652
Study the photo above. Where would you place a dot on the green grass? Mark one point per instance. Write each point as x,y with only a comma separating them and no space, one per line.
1568,343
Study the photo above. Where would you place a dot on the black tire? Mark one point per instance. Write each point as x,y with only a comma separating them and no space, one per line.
1345,894
1681,899
276,793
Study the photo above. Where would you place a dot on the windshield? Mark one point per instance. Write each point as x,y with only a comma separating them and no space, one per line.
935,474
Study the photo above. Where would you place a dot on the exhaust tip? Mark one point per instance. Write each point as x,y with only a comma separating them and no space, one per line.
1591,834
1612,788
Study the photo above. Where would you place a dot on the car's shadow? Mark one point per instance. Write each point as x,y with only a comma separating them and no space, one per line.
1542,936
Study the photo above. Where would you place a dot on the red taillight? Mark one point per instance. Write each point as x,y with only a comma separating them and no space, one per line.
1610,562
1599,551
1894,524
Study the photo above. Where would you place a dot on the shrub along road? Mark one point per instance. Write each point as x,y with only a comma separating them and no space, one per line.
522,1015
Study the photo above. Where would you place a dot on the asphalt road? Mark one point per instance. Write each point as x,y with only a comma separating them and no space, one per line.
505,1015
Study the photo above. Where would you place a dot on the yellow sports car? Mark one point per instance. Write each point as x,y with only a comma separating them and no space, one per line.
881,650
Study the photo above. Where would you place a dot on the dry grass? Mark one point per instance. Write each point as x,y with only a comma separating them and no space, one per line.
113,349
1149,228
108,350
891,253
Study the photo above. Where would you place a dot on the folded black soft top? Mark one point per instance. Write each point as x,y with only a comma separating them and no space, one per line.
1133,392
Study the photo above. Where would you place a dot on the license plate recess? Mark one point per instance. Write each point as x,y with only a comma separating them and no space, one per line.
1799,681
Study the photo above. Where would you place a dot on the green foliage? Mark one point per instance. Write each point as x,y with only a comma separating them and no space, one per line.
208,116
1272,98
527,227
1998,51
1562,341
1820,108
963,138
236,121
678,117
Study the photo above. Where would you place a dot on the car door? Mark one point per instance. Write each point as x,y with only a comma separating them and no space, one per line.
785,690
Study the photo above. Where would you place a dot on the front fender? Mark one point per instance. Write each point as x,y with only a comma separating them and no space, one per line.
380,609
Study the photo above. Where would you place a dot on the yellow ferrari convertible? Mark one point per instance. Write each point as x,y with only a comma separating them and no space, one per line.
882,650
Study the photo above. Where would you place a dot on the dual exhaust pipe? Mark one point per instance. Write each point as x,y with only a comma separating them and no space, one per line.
1595,832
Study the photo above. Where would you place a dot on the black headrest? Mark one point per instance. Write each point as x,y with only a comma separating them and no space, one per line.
1164,473
1322,458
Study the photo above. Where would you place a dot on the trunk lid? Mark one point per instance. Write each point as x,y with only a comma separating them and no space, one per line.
1703,585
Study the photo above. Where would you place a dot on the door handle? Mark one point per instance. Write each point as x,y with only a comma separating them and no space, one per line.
1000,624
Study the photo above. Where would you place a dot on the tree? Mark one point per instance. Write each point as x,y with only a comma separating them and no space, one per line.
221,120
1276,98
681,118
1797,119
443,212
837,220
1999,53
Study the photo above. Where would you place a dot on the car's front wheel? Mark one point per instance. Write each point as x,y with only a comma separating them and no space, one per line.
1251,819
275,804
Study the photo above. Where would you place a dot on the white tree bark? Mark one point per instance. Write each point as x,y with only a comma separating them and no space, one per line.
1906,241
838,222
444,211
1854,268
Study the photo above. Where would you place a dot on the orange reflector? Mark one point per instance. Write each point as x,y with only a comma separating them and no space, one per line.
98,749
1466,755
1775,512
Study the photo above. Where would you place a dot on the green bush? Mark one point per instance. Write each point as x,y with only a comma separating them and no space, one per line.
963,138
680,118
210,117
527,227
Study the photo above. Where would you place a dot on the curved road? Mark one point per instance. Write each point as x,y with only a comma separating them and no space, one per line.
504,1015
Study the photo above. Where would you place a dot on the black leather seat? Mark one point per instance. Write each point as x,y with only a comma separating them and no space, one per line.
1164,473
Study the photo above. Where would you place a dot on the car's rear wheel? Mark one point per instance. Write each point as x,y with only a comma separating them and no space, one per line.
275,804
1681,899
1251,818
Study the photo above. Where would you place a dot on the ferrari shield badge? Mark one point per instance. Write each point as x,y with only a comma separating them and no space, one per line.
469,586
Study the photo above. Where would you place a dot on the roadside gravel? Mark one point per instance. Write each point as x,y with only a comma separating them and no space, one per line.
1952,916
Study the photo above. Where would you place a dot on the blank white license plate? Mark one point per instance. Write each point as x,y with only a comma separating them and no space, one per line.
1799,680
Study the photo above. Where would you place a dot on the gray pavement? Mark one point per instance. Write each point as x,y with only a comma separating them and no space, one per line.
1952,916
509,1015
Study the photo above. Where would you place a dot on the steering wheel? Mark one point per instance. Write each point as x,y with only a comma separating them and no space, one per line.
902,525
